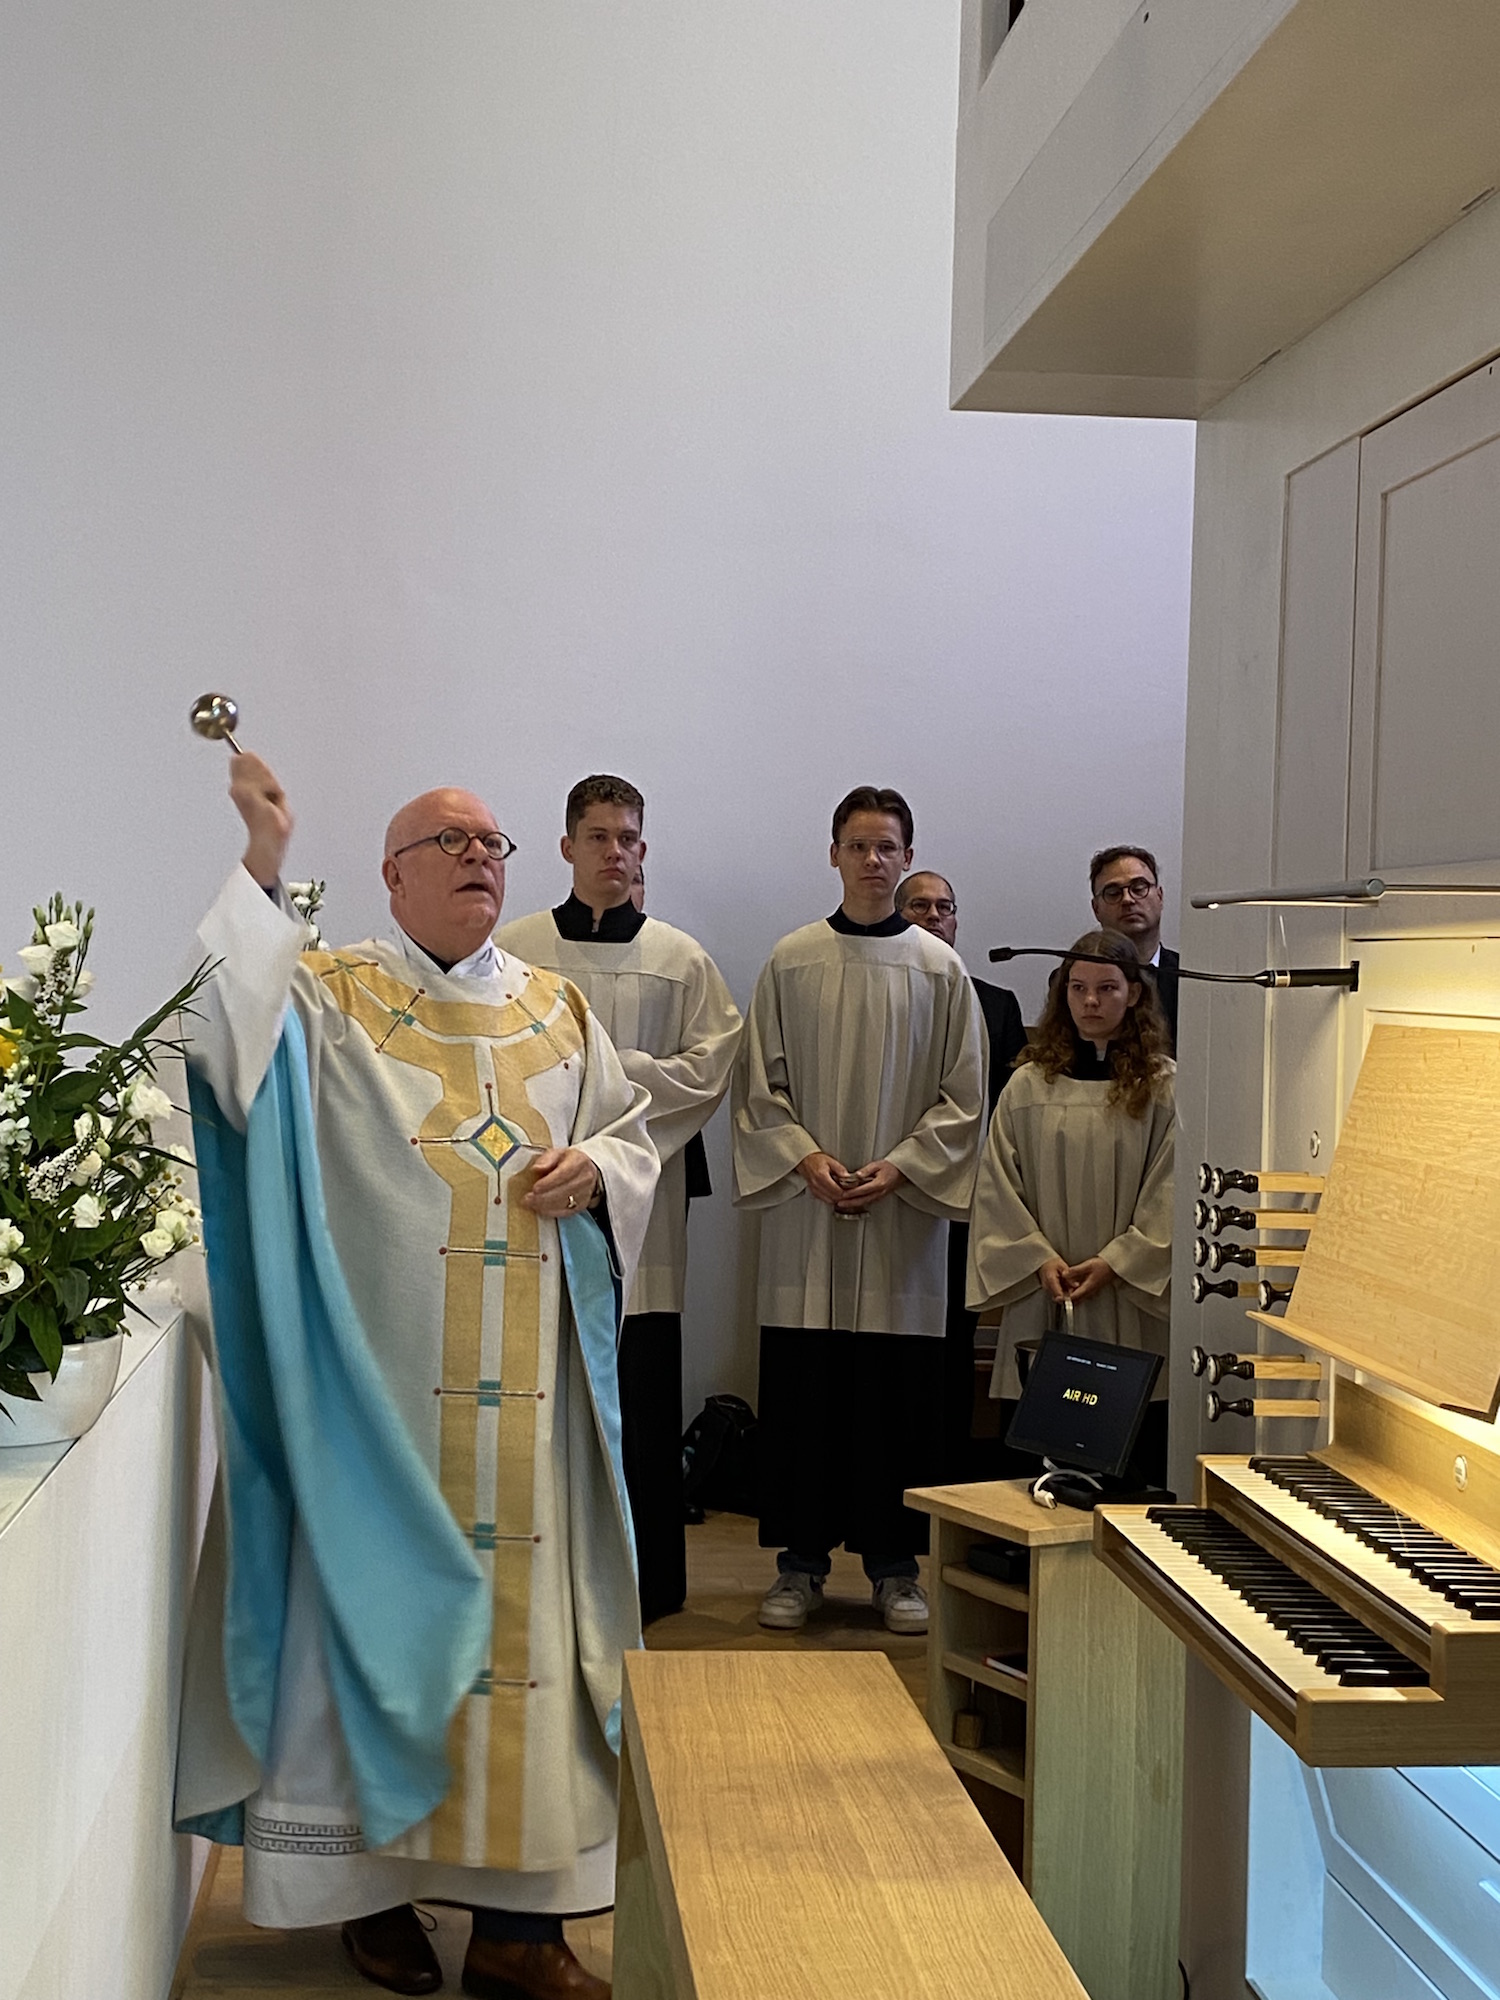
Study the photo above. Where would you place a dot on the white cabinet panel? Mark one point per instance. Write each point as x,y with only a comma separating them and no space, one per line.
1417,1873
1360,1961
1426,713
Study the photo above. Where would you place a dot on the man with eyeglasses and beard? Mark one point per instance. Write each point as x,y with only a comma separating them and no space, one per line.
858,1106
423,1171
1125,890
928,899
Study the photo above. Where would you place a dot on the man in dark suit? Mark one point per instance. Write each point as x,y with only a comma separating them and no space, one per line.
1125,885
928,899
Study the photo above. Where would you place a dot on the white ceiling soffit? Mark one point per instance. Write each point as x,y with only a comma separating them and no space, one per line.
1353,134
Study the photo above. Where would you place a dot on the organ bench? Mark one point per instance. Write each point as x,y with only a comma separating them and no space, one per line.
790,1831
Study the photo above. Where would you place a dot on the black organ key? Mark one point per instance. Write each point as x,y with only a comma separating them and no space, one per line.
1335,1638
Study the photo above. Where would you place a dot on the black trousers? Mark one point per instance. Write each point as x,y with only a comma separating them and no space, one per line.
651,1442
847,1422
959,1459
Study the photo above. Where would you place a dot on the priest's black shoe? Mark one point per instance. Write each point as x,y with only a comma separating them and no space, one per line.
391,1950
496,1971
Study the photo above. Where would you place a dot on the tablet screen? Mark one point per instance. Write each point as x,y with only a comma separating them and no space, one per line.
1084,1403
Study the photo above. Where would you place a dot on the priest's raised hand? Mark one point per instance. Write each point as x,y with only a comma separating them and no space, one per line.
261,804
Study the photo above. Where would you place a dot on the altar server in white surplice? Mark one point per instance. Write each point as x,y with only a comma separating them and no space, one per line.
1074,1196
858,1101
463,1102
661,999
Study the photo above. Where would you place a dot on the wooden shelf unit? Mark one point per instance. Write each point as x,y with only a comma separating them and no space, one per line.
1080,1774
1005,1772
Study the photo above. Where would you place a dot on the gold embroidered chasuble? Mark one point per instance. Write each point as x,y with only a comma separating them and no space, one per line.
432,1095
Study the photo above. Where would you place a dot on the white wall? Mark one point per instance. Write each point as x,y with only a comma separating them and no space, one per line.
495,392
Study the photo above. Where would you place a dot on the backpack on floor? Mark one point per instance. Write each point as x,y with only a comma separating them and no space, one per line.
718,1457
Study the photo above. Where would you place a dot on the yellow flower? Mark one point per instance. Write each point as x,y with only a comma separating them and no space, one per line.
8,1048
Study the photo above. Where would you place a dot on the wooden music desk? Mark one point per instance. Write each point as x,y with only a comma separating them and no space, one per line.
790,1831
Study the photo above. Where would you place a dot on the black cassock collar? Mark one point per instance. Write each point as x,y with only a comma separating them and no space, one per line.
891,926
575,922
1088,1066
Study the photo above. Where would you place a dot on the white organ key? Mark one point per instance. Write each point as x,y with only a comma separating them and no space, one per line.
1250,1630
1398,1586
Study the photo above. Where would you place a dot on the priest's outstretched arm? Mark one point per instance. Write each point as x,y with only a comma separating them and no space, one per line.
254,944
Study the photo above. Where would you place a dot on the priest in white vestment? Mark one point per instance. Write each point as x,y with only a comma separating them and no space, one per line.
858,1101
465,1106
1074,1196
665,1006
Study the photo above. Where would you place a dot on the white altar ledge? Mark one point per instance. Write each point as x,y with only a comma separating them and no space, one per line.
98,1541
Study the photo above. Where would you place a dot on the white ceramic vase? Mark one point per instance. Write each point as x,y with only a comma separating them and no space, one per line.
71,1404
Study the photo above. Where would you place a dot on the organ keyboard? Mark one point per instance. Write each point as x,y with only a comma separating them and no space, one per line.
1352,1596
1362,1632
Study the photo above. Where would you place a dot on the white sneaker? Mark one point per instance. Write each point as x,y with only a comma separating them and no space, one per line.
902,1603
785,1606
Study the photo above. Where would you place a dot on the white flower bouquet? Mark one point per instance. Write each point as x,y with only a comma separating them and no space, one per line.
89,1202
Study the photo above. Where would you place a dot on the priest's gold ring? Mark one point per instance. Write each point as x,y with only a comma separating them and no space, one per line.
571,1202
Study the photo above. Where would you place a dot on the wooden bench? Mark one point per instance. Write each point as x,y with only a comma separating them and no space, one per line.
790,1830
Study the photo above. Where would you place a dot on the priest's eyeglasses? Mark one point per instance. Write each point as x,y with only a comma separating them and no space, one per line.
1137,891
942,906
454,841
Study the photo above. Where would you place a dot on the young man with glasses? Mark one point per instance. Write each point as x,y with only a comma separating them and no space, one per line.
1125,889
858,1105
415,1324
663,1003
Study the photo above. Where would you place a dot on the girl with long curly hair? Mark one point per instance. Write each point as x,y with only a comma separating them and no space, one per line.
1074,1197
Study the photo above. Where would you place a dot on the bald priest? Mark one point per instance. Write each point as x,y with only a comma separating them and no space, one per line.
426,1180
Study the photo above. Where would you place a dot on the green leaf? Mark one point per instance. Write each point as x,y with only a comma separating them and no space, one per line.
20,1010
72,1288
45,1124
73,1090
40,1322
17,1383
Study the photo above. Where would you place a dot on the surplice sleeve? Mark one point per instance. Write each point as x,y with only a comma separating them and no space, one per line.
687,1087
610,1126
941,1152
1006,1244
769,1141
253,945
1141,1255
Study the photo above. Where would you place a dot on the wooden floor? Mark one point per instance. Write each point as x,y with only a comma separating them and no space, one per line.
225,1958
